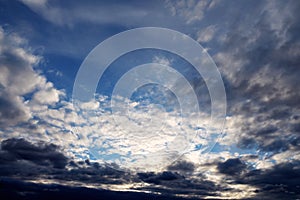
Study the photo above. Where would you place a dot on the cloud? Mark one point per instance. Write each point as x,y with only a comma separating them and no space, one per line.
259,59
182,166
40,154
19,78
36,160
42,162
127,14
231,166
12,109
206,34
12,189
277,182
157,178
191,11
48,96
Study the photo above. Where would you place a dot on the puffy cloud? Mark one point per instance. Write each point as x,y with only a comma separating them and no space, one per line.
17,78
22,87
48,96
12,110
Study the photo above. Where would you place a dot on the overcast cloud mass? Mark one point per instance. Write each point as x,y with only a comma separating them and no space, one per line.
53,149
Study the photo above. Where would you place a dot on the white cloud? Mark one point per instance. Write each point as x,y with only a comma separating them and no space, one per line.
72,13
19,77
191,11
162,60
206,34
49,96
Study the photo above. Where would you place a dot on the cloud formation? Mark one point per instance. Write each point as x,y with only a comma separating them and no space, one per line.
18,78
259,60
257,49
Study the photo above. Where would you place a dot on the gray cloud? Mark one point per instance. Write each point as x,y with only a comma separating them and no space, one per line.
278,182
182,166
40,154
23,160
231,166
259,60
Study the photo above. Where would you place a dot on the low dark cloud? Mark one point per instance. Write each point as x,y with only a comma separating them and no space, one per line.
158,178
40,154
278,182
19,190
23,160
182,166
232,166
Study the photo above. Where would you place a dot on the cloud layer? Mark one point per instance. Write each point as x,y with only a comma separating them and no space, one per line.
46,140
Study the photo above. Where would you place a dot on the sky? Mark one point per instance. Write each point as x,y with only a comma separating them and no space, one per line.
150,99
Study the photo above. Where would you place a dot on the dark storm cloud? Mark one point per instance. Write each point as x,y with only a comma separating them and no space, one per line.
278,182
40,154
23,160
173,183
151,177
27,160
18,190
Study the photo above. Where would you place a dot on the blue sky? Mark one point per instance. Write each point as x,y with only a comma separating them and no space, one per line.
147,144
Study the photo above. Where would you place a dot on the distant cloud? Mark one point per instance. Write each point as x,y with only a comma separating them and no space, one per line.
127,14
206,34
191,11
